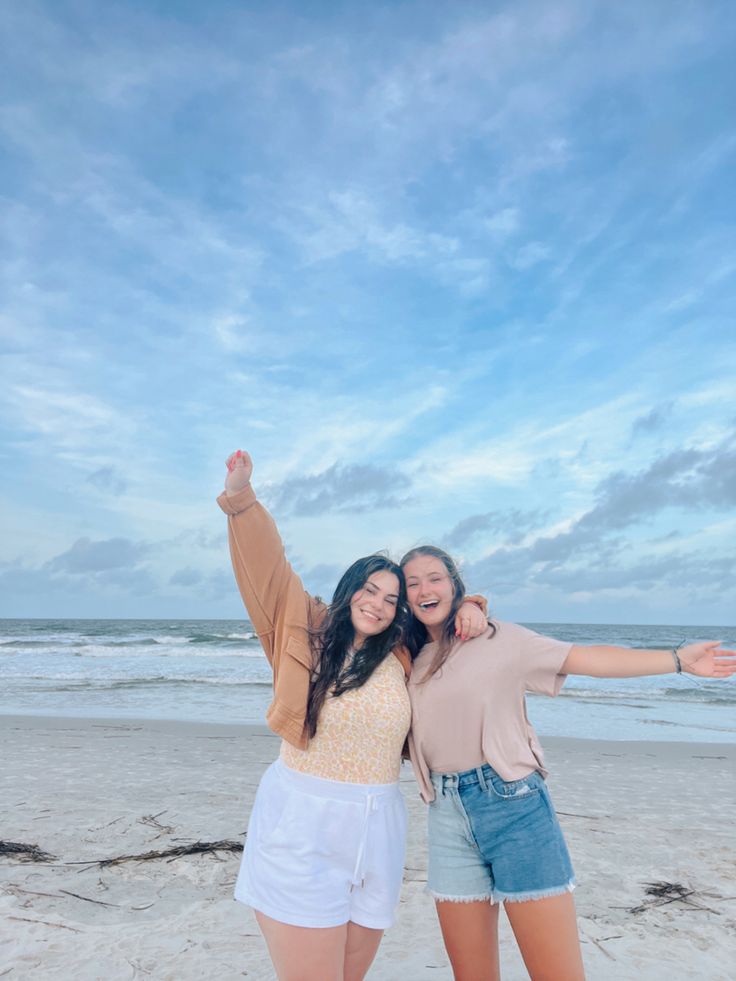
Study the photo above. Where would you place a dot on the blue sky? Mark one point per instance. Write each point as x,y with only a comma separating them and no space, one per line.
452,272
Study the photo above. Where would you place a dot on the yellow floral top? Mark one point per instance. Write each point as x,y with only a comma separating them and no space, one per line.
360,735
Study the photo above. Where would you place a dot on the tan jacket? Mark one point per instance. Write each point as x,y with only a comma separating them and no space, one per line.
280,610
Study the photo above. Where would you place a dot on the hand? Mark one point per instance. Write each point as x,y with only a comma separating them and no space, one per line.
239,468
470,621
708,659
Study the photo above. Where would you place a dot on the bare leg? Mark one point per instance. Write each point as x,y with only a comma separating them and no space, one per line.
470,932
361,947
546,931
304,953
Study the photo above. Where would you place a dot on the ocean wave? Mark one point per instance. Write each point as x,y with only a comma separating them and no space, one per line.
73,683
189,680
686,724
108,651
228,645
721,695
221,638
50,643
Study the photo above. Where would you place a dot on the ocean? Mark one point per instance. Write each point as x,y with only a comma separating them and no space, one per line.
215,671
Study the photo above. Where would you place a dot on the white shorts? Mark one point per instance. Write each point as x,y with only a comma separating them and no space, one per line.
320,853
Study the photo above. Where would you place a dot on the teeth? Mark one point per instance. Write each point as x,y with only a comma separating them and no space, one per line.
428,606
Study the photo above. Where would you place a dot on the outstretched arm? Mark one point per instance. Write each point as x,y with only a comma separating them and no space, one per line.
707,659
271,590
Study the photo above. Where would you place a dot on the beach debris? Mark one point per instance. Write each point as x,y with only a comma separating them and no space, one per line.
664,893
137,967
152,821
602,949
87,899
114,821
25,852
14,890
59,926
198,848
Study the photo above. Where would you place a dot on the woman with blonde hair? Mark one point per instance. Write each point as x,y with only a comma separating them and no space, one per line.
493,833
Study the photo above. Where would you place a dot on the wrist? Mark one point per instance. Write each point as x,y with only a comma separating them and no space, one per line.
678,665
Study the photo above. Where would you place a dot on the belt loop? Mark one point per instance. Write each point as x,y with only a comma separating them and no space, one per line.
481,778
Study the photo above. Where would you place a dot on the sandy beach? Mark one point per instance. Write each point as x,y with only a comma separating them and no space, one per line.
85,790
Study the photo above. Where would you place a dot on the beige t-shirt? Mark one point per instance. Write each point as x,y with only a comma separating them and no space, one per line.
473,710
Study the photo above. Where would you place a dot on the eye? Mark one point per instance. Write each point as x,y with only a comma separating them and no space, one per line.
370,588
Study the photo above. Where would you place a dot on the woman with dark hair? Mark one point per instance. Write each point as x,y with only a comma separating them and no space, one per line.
323,859
493,832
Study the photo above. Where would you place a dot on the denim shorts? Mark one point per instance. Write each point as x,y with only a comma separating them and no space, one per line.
494,839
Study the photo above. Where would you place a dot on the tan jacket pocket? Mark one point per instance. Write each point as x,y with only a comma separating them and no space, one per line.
300,651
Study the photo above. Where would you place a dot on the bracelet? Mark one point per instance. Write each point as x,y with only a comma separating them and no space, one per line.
676,658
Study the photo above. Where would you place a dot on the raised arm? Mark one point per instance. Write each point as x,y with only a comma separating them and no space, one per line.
706,658
272,592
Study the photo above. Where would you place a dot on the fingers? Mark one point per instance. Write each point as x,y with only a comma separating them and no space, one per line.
235,459
717,664
724,664
462,627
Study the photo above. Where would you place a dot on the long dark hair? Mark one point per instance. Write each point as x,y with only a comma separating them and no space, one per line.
333,640
416,634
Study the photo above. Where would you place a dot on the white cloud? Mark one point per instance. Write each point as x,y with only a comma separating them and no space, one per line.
68,420
530,254
504,222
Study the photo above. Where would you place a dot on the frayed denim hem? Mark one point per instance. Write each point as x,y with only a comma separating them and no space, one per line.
440,897
524,897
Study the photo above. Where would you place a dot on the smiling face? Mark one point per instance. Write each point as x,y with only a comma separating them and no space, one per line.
430,592
373,606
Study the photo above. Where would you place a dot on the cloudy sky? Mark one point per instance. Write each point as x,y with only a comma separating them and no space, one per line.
453,272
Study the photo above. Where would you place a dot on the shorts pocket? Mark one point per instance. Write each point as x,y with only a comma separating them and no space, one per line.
514,790
308,827
278,819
